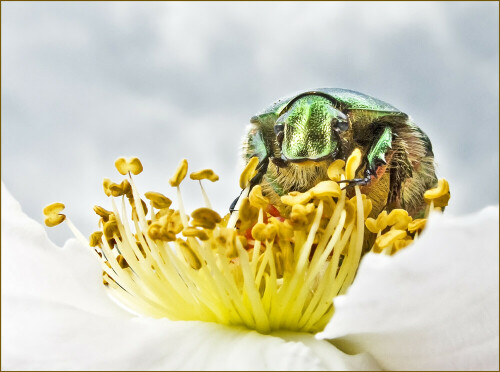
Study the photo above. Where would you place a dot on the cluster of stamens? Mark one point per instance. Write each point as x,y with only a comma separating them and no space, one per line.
253,267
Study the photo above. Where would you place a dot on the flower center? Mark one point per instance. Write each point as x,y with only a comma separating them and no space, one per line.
253,267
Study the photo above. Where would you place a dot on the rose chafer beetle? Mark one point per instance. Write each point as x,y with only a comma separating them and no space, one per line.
297,138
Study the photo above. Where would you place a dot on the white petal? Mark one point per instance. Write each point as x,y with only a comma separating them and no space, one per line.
33,267
433,305
54,337
56,316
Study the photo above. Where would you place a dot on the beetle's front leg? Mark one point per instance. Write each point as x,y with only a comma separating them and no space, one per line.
255,145
377,152
375,159
261,171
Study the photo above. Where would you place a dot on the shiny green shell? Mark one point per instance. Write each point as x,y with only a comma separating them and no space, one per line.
345,100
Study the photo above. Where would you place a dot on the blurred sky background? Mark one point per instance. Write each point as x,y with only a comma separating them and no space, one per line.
85,83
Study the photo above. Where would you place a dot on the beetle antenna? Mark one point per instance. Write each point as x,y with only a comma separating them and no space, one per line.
356,182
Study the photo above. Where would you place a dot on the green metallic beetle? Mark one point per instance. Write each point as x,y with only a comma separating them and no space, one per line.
297,137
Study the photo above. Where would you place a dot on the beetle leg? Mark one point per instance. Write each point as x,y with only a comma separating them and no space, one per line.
261,171
255,145
356,182
376,155
374,159
233,204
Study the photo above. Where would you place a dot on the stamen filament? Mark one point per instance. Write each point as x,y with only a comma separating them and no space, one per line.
299,261
205,196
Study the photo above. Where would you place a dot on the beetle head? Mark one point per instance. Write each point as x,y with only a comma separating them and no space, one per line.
308,129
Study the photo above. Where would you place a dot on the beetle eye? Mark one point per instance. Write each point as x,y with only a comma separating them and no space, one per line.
340,124
278,128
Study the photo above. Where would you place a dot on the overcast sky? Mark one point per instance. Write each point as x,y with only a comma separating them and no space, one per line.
85,83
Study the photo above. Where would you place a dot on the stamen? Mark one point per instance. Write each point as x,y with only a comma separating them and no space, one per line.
254,267
201,175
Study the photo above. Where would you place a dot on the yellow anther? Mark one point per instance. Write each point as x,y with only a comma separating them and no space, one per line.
159,201
126,188
53,217
387,239
205,174
95,240
121,261
257,199
160,230
154,231
247,211
194,232
206,214
296,197
121,165
134,212
310,208
54,220
398,219
115,190
402,243
164,212
204,224
285,230
371,225
105,184
248,214
379,224
264,232
205,217
326,189
135,166
110,229
189,254
132,165
299,217
440,195
104,213
180,173
249,172
303,210
174,222
336,170
352,164
53,209
226,238
417,225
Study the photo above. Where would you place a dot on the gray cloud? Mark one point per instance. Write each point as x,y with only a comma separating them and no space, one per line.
84,83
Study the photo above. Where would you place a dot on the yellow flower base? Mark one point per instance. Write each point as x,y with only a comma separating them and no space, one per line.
253,267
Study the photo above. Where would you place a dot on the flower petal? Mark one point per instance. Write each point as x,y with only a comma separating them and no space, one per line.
56,316
34,267
433,305
51,336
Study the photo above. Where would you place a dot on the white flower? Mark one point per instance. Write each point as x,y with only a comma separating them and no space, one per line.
432,306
